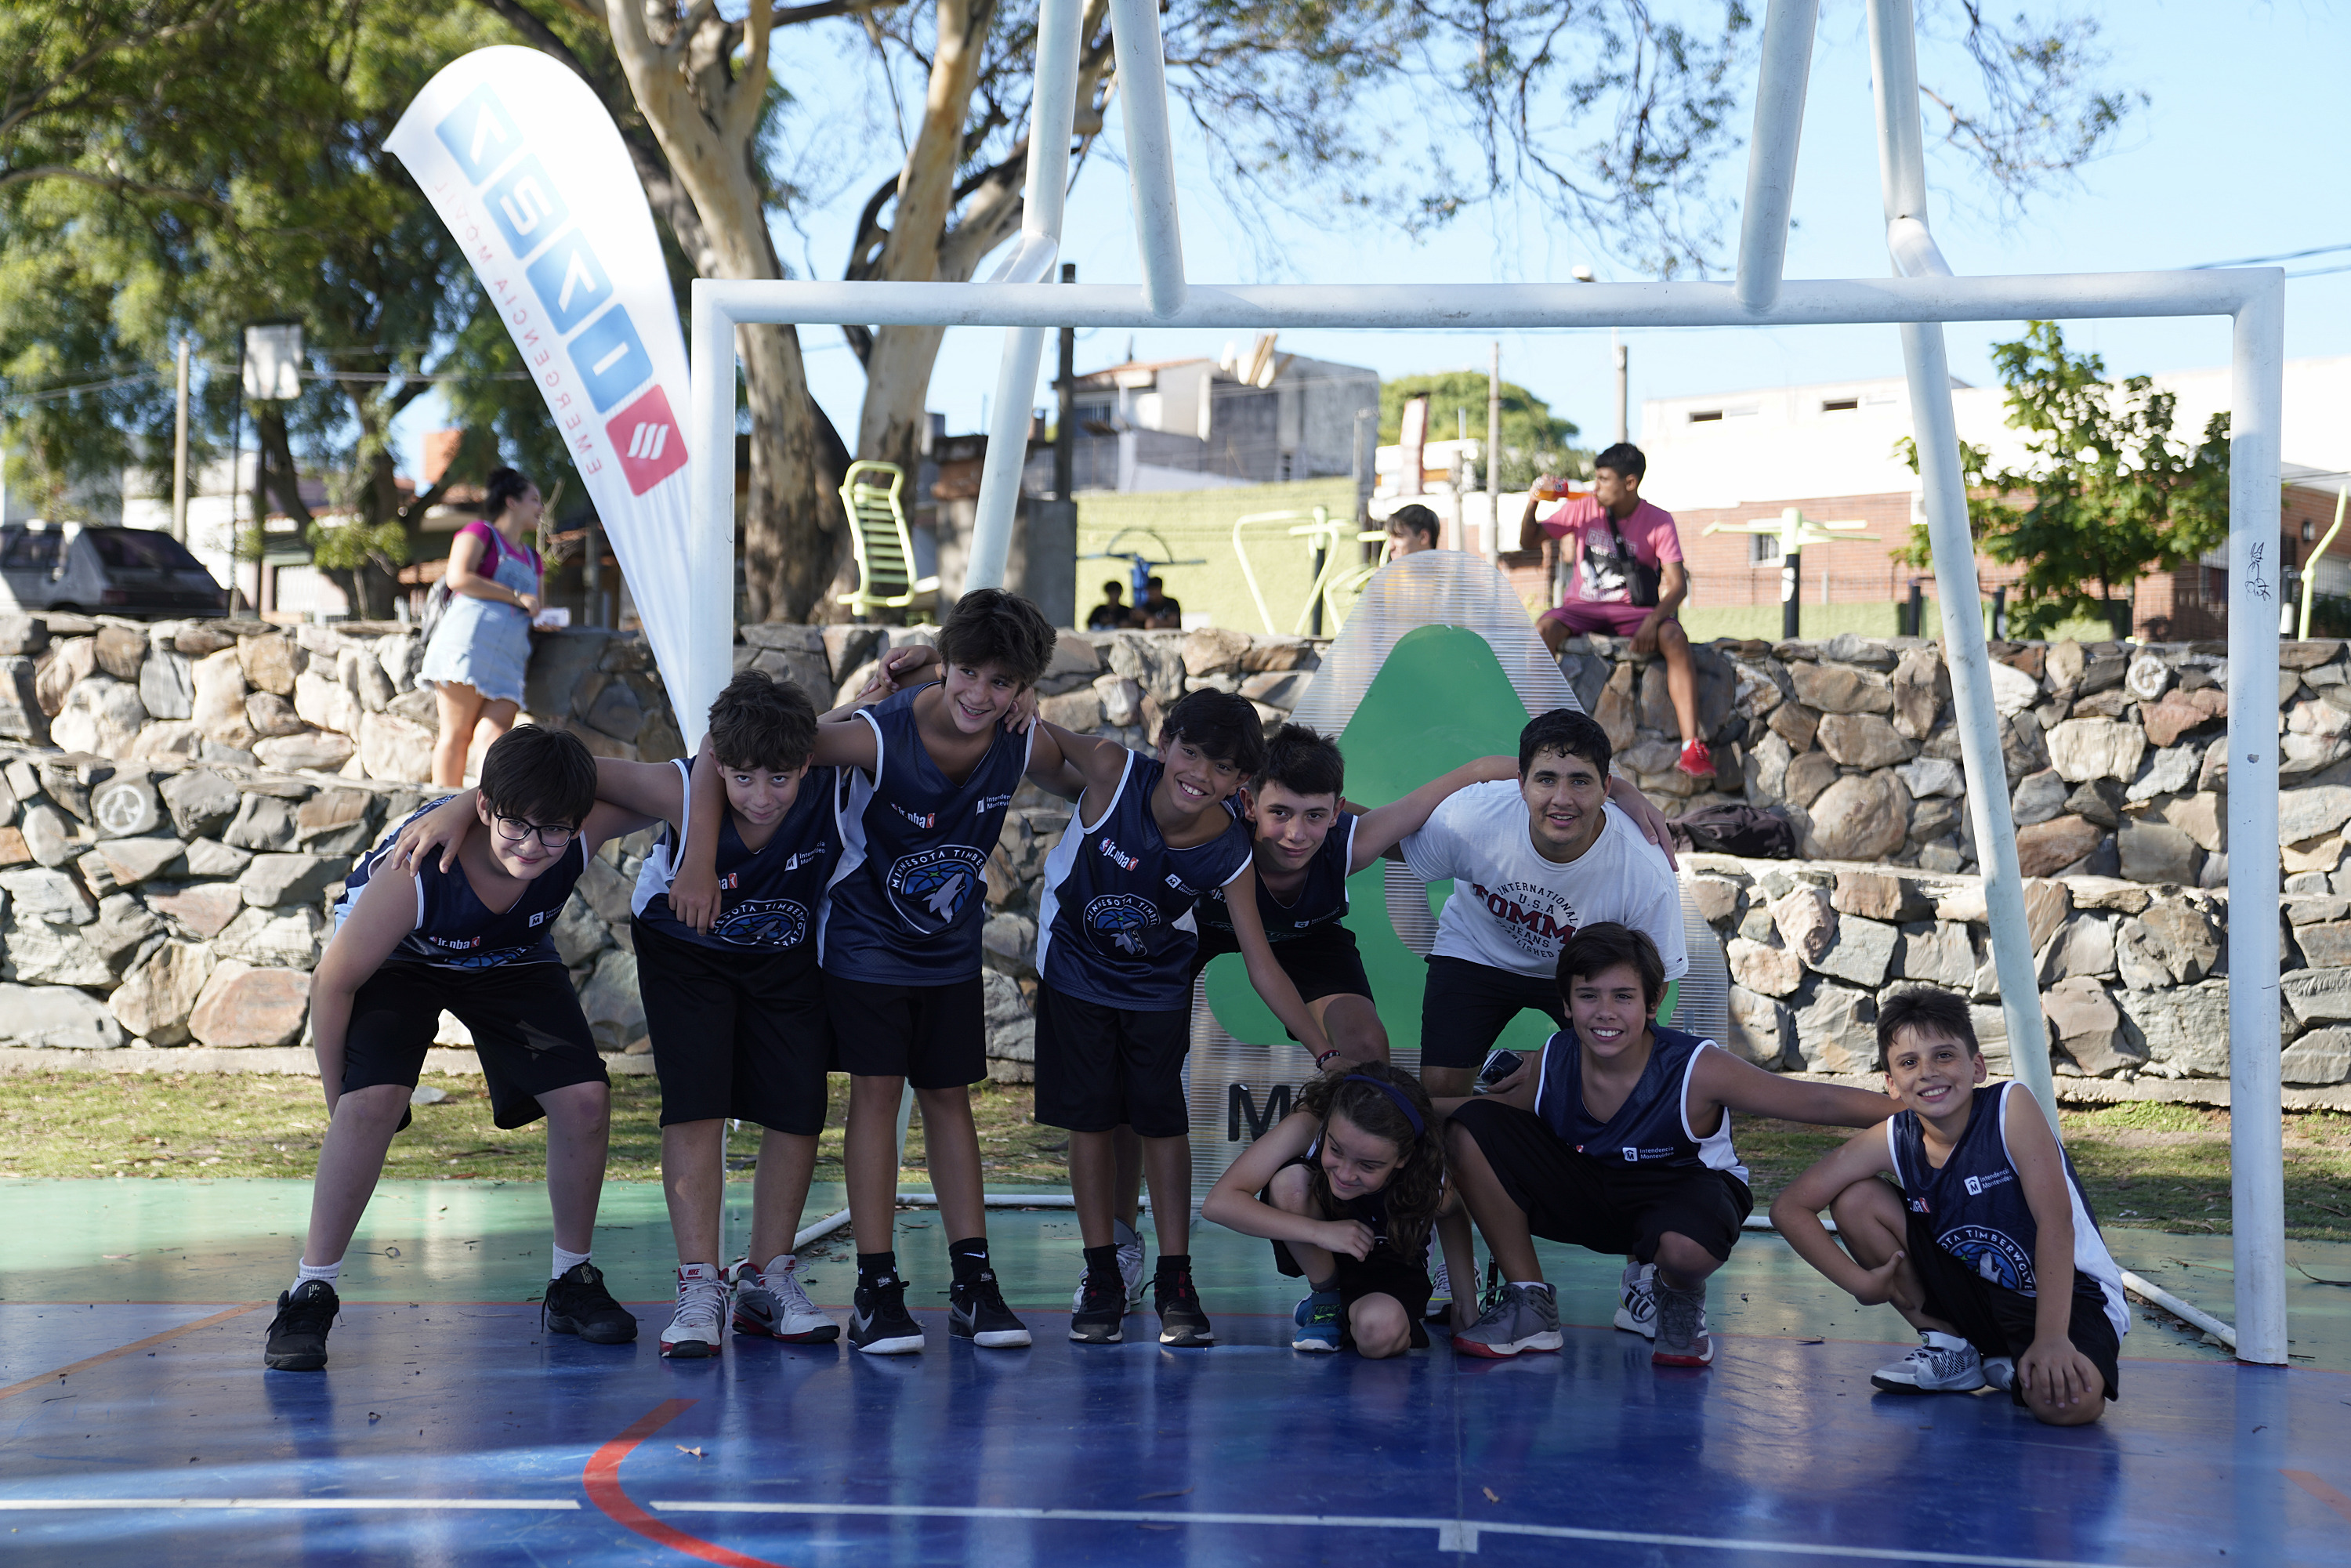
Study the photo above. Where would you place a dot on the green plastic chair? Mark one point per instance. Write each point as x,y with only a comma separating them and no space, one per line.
886,556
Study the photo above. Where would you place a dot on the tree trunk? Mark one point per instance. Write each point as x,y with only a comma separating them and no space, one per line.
704,118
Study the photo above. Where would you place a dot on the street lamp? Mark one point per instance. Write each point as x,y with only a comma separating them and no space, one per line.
1616,357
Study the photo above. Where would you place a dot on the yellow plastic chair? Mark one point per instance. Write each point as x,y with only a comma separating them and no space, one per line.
885,555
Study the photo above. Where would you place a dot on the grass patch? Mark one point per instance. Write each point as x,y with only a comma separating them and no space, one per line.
252,1124
2149,1165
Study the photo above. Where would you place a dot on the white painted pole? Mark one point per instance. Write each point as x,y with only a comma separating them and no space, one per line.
1935,428
1623,386
1150,150
1787,65
710,526
1494,455
1052,111
2256,1155
180,448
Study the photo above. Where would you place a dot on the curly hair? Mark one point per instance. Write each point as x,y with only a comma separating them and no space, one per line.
1416,1190
757,721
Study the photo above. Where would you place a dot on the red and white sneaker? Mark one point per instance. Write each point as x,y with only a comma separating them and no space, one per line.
770,1303
1696,760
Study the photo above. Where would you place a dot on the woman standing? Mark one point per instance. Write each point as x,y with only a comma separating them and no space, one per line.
475,663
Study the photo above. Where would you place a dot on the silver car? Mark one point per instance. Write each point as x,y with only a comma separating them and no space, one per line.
140,573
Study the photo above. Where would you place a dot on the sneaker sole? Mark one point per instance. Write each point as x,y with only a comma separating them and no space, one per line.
591,1333
1534,1346
1186,1339
689,1349
751,1328
1089,1336
1318,1346
1631,1324
905,1345
1661,1358
994,1339
296,1361
1891,1385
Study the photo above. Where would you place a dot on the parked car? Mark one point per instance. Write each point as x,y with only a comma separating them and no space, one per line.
140,573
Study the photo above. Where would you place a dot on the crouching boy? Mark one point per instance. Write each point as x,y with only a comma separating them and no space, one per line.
1618,1139
411,940
1985,1243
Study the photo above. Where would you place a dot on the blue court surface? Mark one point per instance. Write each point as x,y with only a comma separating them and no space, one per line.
137,1426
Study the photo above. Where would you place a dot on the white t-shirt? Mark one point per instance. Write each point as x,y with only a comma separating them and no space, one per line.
1512,909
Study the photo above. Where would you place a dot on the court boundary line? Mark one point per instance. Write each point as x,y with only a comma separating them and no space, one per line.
58,1374
297,1504
2310,1484
602,1478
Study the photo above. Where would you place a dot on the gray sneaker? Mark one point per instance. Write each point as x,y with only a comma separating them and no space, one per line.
771,1305
1943,1364
1682,1339
1636,1299
2000,1371
1130,1268
1524,1317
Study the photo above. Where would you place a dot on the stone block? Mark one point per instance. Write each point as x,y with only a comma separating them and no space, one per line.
173,742
326,703
2202,819
120,650
1761,1030
274,939
1861,817
1840,689
23,634
22,716
806,670
394,748
2313,996
125,806
1767,970
2100,801
70,662
615,712
297,878
2170,771
39,893
263,823
1861,952
2186,1028
784,636
1276,653
101,715
266,714
2086,1025
2158,853
1214,650
2322,1056
42,954
1795,724
159,992
578,935
1012,936
133,861
1122,700
1933,776
336,821
1921,687
2085,948
2325,944
269,662
2311,813
201,801
1807,777
2012,691
1766,766
1863,740
1837,1028
607,893
2191,942
167,686
2043,849
1153,662
421,708
204,910
1935,954
57,1016
2082,749
210,857
1717,898
616,1012
242,1007
1806,921
1081,710
846,647
1615,714
1277,689
1879,895
2138,957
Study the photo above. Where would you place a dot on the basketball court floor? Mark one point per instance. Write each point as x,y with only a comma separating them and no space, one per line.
137,1425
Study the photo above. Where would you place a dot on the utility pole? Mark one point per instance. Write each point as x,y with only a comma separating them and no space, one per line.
1065,419
180,451
1494,455
1616,352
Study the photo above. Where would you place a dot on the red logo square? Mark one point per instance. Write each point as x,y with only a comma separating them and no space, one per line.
646,439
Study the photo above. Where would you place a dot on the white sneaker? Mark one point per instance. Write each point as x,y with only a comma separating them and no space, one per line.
1943,1364
1130,1268
1636,1299
770,1303
695,1330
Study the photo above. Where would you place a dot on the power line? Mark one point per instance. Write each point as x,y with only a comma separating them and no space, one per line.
2268,260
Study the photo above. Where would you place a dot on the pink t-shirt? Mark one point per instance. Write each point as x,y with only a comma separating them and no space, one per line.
1581,527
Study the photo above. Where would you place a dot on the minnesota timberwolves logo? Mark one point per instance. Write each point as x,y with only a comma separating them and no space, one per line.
763,922
1991,1256
931,888
1118,921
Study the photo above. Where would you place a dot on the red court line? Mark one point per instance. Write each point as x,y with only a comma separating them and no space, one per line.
602,1480
50,1379
2321,1490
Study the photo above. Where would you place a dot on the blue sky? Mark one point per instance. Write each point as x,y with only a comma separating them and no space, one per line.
2236,155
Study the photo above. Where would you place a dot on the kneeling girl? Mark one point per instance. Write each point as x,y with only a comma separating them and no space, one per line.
1347,1187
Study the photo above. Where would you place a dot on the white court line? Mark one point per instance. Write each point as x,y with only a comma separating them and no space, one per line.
1452,1534
312,1504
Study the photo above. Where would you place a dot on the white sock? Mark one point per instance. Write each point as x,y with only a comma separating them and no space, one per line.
306,1272
1938,1340
1531,1284
566,1261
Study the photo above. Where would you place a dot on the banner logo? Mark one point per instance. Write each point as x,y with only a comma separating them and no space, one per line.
646,436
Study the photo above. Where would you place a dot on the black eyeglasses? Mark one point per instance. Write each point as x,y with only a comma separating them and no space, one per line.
515,831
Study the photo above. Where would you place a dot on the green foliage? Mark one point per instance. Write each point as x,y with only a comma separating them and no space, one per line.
1534,440
2107,493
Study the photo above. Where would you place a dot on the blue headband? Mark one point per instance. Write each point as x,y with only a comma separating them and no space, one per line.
1419,1128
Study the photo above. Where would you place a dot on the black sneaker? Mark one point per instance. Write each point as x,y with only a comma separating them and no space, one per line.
977,1311
1101,1317
878,1324
297,1335
1181,1320
578,1303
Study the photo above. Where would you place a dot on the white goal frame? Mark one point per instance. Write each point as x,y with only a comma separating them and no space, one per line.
1920,296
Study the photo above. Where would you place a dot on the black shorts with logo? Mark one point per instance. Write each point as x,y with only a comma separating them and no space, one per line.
1603,1205
528,1030
740,1032
2000,1322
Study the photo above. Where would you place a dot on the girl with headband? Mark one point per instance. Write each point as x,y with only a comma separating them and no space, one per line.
1347,1188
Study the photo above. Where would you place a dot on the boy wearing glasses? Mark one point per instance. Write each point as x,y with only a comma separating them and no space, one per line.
413,939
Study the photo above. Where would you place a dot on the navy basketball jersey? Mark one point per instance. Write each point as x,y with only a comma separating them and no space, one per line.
454,930
1321,899
1652,1127
1975,1208
1114,922
907,902
768,897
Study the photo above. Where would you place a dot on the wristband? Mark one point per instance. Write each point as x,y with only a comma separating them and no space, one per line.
1325,1057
